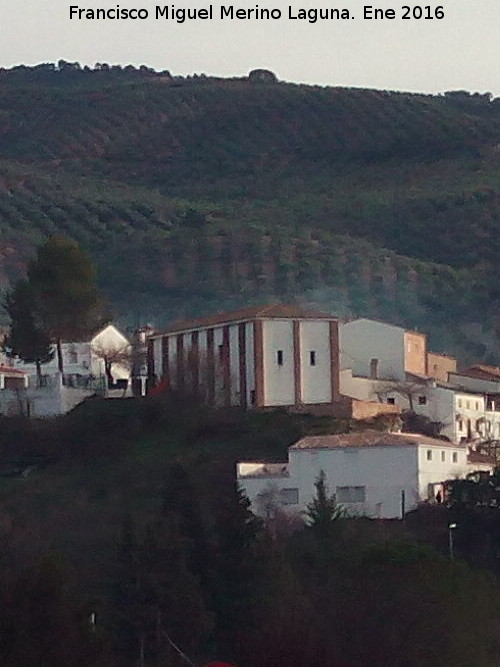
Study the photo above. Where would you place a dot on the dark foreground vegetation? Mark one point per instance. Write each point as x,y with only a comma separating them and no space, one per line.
128,510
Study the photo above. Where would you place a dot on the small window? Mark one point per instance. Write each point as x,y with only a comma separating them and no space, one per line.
391,400
467,405
351,494
460,425
312,358
289,496
252,397
455,457
477,405
443,456
429,454
422,400
221,352
459,402
374,369
279,357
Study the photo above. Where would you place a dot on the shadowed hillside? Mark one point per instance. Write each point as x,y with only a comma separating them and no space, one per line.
196,194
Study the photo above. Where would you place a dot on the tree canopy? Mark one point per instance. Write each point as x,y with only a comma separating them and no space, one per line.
26,339
67,304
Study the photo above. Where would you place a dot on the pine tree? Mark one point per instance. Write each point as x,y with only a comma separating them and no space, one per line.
26,339
323,511
67,303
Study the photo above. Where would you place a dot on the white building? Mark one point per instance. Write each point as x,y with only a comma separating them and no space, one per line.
378,350
84,359
371,473
465,414
271,356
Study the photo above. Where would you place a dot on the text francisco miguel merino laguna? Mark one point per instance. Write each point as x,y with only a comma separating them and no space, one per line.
228,12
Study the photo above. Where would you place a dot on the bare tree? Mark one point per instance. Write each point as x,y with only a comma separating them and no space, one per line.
404,388
113,355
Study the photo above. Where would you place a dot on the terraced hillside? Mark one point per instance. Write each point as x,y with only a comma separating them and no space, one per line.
199,194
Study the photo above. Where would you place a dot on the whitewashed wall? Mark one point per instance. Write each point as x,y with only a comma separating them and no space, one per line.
362,340
316,380
440,467
279,386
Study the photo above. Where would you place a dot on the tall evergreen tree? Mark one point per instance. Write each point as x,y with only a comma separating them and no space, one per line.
323,511
26,339
67,302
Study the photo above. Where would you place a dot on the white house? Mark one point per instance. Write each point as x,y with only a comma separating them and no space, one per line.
271,356
84,359
84,375
379,350
465,414
371,473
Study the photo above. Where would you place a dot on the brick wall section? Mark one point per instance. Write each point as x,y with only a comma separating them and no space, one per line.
258,343
296,362
242,342
335,360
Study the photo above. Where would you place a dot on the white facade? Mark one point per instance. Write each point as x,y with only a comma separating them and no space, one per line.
276,356
86,358
362,341
367,479
464,415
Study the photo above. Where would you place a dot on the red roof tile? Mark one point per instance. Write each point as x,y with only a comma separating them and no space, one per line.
274,311
370,438
482,371
10,369
479,457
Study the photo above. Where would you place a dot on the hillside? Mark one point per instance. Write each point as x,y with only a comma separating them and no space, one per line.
127,509
198,194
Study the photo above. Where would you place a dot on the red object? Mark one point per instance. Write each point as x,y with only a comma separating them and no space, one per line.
159,389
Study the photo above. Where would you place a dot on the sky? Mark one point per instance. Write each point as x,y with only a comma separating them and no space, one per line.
460,51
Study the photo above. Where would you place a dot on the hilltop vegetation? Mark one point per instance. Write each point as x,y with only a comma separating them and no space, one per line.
196,194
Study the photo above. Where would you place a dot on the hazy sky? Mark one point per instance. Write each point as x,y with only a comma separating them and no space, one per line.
460,51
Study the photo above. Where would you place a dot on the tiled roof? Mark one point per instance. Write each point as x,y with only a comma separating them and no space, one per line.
479,457
10,369
274,311
482,370
387,324
369,438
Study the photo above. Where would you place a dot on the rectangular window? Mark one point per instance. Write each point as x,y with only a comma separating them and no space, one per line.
221,352
252,396
429,454
477,405
455,457
289,496
443,456
351,494
391,400
422,400
312,358
279,357
459,402
467,405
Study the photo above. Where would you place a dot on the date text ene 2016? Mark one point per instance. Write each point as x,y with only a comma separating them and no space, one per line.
428,12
